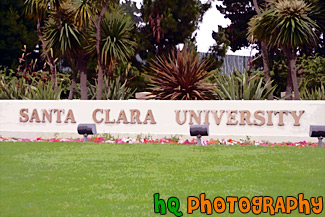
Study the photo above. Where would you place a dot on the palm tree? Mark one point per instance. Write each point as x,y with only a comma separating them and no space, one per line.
38,10
65,43
66,34
110,45
265,56
83,12
67,29
115,45
287,24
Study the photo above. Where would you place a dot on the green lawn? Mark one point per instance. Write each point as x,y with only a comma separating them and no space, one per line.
78,179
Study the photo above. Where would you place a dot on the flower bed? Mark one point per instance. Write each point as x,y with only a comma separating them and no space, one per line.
169,141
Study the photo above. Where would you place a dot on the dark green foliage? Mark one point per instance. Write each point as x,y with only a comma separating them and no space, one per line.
312,70
15,32
319,16
34,88
65,41
135,79
316,93
279,73
117,41
113,89
286,24
239,12
131,9
219,49
168,23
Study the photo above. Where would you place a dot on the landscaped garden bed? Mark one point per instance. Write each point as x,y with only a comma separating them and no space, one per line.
169,141
205,142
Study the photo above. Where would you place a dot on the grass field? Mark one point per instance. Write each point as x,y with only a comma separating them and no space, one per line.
89,179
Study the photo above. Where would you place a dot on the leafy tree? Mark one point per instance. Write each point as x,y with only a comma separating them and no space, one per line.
131,9
168,23
218,51
312,69
239,12
15,32
61,37
107,31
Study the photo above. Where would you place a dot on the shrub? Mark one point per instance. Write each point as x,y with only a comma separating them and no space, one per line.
19,88
13,88
317,93
42,91
37,86
240,86
312,69
180,76
113,89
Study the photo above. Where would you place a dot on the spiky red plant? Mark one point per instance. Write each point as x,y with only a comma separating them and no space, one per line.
180,77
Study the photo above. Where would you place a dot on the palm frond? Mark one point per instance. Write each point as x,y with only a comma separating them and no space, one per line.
117,43
64,41
287,23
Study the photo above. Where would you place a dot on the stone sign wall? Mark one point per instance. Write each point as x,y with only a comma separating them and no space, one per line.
260,120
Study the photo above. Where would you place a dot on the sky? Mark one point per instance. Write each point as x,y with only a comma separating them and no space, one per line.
211,19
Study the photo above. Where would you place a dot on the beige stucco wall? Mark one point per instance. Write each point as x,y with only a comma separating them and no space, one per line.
17,123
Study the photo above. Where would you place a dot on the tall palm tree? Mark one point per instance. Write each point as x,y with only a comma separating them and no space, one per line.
287,24
116,43
66,35
84,12
38,10
265,56
90,16
65,41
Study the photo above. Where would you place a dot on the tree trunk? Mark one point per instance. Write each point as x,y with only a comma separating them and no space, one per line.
58,13
100,77
292,63
266,66
82,62
292,58
73,85
100,80
53,76
49,59
289,88
265,56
